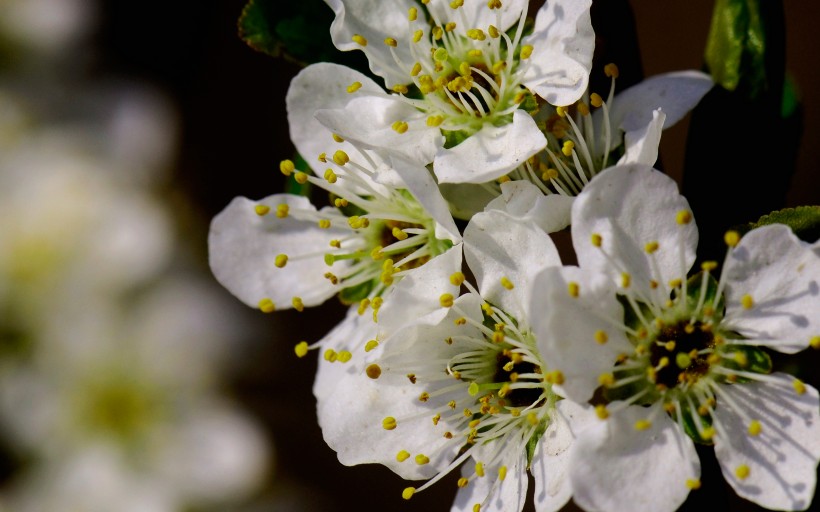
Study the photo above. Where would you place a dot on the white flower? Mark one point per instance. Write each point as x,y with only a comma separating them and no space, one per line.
460,73
282,252
581,143
678,357
463,385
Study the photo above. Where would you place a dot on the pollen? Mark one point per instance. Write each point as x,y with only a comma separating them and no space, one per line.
330,176
338,138
330,355
561,111
261,209
408,492
267,306
455,4
732,238
412,14
462,482
606,379
742,472
747,302
457,278
494,4
755,428
502,473
493,31
506,283
355,86
611,70
595,100
370,345
417,35
596,239
373,371
526,52
573,289
389,41
434,121
567,148
286,167
400,127
651,247
402,456
601,337
446,300
281,260
799,387
301,349
693,484
324,223
282,210
300,177
683,217
643,425
359,39
814,342
297,303
340,157
626,280
421,459
344,356
389,423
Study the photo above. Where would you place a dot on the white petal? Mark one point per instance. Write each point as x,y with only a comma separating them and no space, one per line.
550,463
419,291
418,180
491,152
351,334
242,248
322,86
782,458
630,206
782,276
494,495
368,121
615,467
675,93
566,327
497,246
375,20
641,145
525,202
562,41
476,14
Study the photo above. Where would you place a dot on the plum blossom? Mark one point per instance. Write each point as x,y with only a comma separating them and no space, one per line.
679,360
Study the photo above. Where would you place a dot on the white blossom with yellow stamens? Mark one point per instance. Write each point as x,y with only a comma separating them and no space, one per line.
679,357
462,77
463,385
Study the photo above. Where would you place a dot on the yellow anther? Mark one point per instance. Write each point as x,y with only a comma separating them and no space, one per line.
267,306
554,377
457,278
494,4
436,419
408,492
549,174
359,39
742,472
389,423
573,289
340,202
462,482
611,70
526,52
261,209
363,305
322,158
663,363
601,411
416,69
400,127
460,321
595,100
493,31
422,459
567,148
708,266
476,34
475,53
682,360
338,138
731,238
502,473
499,66
281,260
503,179
340,157
643,425
370,345
626,280
434,121
561,111
344,356
814,342
398,234
506,283
455,4
464,68
301,349
417,35
693,484
389,41
300,177
583,108
651,247
402,456
446,300
479,469
324,223
287,167
330,176
708,433
438,32
596,239
683,217
601,337
498,337
449,26
400,88
675,283
741,359
606,379
754,428
412,14
330,355
653,284
355,86
297,303
669,345
373,371
669,407
799,387
747,302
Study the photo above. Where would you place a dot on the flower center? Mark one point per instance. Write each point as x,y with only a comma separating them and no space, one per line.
683,346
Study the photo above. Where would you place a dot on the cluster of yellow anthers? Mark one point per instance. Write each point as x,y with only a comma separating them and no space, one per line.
391,232
467,76
684,350
577,148
502,396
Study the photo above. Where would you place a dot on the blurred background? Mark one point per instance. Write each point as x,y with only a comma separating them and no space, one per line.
129,380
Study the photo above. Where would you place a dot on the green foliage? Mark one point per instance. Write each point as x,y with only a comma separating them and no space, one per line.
803,220
736,45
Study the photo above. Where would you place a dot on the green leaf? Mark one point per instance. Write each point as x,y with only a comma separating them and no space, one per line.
803,220
256,27
736,45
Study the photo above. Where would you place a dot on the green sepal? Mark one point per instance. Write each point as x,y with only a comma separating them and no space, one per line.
689,425
756,359
454,138
533,442
693,291
354,294
804,221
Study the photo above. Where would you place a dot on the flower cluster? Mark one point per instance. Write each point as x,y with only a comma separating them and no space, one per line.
485,354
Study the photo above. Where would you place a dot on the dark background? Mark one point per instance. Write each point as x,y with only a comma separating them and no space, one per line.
230,100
